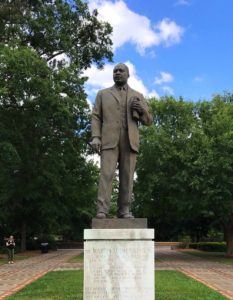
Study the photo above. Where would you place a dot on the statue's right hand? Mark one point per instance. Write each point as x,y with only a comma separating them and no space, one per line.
96,144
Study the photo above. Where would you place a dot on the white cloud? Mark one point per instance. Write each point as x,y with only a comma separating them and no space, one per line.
182,2
153,94
168,90
130,27
90,103
152,54
164,77
199,79
135,81
99,79
169,32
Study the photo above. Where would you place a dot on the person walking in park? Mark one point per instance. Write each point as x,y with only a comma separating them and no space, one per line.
10,244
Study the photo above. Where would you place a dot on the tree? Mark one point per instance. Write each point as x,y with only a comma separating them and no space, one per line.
164,168
217,124
44,116
185,173
55,28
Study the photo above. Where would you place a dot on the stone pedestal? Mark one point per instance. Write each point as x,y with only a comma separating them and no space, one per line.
119,264
119,223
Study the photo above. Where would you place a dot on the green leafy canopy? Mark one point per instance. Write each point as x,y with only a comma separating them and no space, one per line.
44,117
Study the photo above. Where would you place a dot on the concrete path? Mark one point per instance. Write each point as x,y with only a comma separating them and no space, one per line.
216,275
15,276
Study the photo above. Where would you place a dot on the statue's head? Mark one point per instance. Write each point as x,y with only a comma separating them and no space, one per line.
120,74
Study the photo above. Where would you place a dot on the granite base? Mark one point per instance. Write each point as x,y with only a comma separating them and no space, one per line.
119,264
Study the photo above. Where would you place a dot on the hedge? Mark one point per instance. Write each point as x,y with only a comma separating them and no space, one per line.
209,246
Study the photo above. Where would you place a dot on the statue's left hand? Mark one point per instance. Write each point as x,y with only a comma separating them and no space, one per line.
136,105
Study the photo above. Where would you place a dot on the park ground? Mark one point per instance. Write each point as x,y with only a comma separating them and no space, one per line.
216,273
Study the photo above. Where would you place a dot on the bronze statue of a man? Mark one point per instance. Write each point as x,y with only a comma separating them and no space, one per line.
116,114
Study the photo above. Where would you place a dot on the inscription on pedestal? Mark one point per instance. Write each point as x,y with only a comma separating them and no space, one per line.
119,270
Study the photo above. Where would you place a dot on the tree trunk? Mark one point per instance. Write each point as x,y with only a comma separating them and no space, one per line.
23,236
228,233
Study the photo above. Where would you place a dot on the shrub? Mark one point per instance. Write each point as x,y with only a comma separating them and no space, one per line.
184,242
209,246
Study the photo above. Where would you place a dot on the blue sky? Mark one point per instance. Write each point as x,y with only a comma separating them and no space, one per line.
178,47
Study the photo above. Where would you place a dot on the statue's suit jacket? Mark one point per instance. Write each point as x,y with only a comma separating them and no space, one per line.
106,118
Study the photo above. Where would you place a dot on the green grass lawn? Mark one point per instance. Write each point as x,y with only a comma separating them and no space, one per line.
212,256
173,285
68,285
78,258
59,285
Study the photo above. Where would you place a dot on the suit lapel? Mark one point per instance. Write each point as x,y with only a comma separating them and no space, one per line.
115,93
129,95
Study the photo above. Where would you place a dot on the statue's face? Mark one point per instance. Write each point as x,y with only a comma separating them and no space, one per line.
120,74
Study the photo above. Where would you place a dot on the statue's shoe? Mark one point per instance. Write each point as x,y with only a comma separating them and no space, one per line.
127,216
101,215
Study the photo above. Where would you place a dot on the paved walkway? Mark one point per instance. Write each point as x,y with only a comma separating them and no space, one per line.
16,276
216,275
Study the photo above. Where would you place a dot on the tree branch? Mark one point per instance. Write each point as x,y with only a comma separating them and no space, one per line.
54,55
